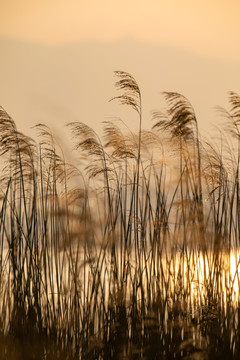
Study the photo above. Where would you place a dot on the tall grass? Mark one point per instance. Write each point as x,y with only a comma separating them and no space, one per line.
132,254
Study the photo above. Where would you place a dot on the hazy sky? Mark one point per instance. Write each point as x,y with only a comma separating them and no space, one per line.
58,56
209,27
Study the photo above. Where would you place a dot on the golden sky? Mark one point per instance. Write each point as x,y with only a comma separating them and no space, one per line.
209,27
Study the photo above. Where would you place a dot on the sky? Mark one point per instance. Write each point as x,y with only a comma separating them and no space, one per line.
208,27
58,56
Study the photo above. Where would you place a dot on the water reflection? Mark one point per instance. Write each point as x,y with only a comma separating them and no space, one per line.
187,301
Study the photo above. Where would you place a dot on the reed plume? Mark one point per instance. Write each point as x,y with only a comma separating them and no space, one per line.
123,255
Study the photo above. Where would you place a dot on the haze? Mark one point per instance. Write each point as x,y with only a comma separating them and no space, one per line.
210,27
57,57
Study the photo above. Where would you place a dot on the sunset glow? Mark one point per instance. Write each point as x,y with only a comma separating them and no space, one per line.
207,27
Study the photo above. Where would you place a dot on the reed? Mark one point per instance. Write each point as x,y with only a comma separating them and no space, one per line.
134,253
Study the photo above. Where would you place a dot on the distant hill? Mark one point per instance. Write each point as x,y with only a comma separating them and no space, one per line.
65,83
